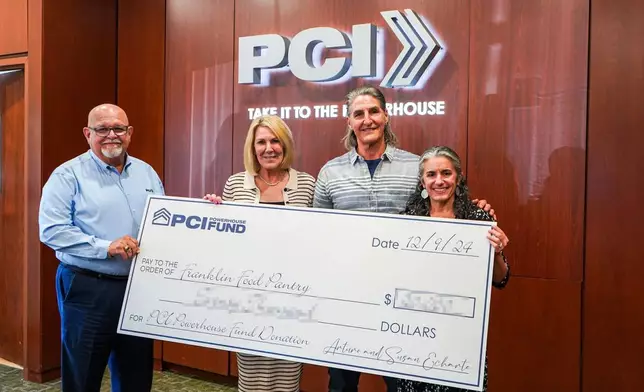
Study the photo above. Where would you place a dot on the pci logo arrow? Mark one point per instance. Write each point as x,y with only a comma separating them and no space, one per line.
420,47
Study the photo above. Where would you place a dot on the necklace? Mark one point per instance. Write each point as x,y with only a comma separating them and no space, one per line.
270,183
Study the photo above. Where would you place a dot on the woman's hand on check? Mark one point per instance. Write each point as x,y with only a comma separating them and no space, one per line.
213,198
497,238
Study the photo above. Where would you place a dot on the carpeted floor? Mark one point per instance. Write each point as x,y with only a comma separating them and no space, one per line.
11,380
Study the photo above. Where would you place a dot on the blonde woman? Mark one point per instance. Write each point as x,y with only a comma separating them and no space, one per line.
268,179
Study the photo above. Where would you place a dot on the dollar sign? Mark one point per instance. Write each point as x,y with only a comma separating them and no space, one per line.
387,299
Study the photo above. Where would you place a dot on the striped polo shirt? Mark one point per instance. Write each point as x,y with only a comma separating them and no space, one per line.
344,183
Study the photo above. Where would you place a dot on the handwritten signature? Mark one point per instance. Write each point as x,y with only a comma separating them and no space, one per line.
396,355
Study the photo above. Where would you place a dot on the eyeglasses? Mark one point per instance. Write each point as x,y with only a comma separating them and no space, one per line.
104,131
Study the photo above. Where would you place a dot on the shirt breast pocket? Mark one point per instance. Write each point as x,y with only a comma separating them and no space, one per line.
139,198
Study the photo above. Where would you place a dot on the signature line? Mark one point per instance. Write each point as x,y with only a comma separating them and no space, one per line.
440,253
348,326
401,363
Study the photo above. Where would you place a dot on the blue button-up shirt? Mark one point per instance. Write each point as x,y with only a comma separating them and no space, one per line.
344,183
86,204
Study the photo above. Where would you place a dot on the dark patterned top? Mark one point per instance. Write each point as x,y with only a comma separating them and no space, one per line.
417,386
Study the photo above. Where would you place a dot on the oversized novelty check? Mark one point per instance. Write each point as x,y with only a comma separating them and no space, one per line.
401,296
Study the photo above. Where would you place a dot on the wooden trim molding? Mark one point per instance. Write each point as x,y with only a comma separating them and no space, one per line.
32,316
13,62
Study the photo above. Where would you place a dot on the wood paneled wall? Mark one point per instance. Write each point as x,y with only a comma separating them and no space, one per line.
198,122
13,108
199,96
68,51
31,284
526,155
86,72
141,76
612,318
141,84
516,83
12,207
13,27
71,68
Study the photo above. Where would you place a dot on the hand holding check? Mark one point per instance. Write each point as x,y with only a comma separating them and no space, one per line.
126,247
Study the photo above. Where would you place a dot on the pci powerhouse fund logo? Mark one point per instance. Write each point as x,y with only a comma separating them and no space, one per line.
163,217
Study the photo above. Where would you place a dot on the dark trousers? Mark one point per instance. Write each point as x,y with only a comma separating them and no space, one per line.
89,309
341,380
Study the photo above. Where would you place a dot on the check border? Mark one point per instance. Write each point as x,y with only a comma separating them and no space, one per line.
490,261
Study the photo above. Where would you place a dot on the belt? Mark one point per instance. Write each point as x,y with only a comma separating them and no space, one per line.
93,274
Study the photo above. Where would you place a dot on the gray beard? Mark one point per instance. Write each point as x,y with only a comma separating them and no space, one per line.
112,153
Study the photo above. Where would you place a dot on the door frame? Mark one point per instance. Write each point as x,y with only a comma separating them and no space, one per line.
19,63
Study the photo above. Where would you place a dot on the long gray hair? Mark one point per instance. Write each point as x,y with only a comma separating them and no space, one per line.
417,205
350,141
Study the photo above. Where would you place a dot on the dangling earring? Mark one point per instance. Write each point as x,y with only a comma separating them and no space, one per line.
424,194
458,191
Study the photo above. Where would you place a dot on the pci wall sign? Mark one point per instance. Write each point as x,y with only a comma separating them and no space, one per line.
302,54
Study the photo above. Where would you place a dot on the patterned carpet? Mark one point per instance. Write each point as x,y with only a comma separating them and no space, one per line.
11,380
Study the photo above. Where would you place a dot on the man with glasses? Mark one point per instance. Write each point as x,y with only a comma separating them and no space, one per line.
90,213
